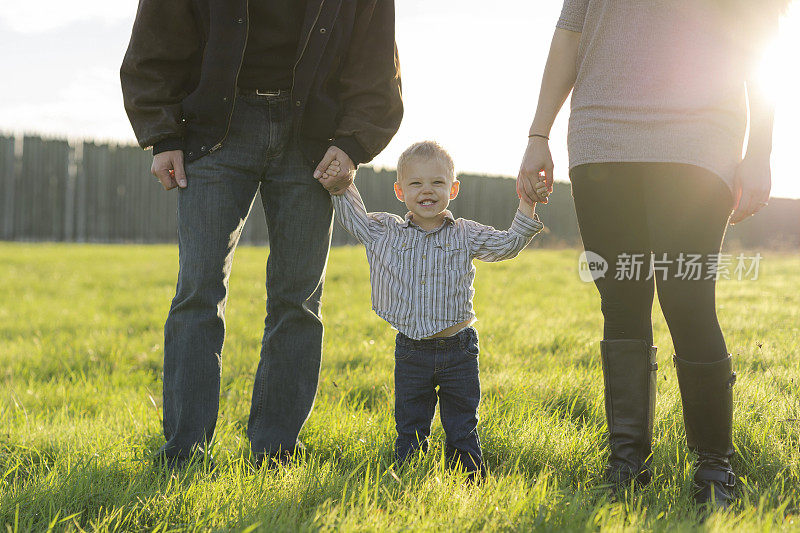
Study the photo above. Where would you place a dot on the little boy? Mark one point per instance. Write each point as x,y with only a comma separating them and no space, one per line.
421,274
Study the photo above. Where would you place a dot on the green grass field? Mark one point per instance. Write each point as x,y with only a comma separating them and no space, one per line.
80,360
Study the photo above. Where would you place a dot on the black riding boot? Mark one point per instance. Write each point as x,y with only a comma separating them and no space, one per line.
629,374
707,397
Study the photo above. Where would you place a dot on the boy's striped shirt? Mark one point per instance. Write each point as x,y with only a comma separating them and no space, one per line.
422,280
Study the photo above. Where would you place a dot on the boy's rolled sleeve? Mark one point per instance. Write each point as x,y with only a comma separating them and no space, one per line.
573,15
353,216
525,225
489,244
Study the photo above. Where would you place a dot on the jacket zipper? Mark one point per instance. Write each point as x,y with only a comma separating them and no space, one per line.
305,44
241,60
238,70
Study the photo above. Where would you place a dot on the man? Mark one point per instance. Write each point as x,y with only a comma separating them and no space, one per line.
255,97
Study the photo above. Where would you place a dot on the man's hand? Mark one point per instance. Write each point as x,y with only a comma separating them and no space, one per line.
336,171
168,168
752,183
535,162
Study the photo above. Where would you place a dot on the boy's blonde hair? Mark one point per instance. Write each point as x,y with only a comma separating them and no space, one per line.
426,150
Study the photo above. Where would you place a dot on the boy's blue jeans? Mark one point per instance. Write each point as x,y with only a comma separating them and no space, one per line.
258,154
451,364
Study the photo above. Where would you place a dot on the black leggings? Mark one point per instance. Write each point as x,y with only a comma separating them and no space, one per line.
636,208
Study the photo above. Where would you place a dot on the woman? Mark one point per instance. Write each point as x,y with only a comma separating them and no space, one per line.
656,130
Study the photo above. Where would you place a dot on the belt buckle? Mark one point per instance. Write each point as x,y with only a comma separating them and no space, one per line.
268,93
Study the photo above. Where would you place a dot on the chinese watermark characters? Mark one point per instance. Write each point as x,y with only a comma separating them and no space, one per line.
684,266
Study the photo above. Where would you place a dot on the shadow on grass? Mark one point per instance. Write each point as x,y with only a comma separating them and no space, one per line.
574,406
564,348
370,397
355,361
80,490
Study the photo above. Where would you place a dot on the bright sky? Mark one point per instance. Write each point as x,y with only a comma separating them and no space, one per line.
471,74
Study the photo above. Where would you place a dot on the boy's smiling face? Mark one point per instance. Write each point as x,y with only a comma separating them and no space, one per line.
426,186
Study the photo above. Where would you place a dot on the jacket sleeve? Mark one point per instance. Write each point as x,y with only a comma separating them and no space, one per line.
162,60
370,88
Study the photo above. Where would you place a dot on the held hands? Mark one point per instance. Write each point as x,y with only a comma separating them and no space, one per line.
537,166
336,171
168,168
752,183
541,190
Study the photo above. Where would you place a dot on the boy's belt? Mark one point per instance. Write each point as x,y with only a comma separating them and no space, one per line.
438,342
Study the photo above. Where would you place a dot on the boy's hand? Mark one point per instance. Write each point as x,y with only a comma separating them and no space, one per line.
336,171
330,179
542,189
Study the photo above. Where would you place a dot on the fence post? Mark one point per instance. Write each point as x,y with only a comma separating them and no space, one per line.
8,168
69,197
80,193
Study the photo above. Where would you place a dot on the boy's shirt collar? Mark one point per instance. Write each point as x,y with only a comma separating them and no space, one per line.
408,221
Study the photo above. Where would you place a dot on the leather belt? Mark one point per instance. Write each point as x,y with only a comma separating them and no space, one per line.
263,92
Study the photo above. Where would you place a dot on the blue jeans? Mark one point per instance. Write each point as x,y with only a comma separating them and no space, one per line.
451,364
259,154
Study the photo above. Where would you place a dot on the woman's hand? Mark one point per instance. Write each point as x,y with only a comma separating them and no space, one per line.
752,183
536,161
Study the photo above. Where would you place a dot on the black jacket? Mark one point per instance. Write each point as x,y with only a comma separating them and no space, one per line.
179,75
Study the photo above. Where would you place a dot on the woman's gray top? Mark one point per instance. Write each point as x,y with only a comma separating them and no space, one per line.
658,81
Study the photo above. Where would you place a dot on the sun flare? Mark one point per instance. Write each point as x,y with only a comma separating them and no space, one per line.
779,73
779,69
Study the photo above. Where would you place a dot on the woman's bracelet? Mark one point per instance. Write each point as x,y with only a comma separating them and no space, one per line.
538,135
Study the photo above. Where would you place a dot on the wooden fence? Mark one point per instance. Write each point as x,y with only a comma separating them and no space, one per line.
54,190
